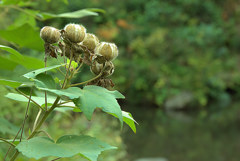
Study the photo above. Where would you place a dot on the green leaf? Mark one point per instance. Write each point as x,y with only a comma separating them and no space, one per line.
24,18
75,14
7,64
6,127
24,36
66,146
88,99
25,61
21,98
34,73
92,97
10,83
128,119
43,80
11,50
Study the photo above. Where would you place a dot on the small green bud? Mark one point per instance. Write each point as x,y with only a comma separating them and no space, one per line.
75,33
50,34
108,50
90,41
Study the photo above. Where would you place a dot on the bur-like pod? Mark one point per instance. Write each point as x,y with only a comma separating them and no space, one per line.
108,50
90,41
50,34
75,33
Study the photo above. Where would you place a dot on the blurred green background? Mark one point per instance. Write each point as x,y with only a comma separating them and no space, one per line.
178,68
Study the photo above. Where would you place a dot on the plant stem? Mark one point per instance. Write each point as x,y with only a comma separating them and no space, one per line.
77,84
26,114
34,132
48,135
8,142
71,57
36,120
29,98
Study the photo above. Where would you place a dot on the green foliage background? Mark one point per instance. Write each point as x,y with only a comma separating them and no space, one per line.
174,55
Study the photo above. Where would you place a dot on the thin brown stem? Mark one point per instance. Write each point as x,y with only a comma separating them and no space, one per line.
66,77
8,142
12,142
48,135
29,98
45,61
26,115
56,159
39,125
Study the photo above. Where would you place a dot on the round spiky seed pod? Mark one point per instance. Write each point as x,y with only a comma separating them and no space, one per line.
50,34
107,50
75,33
96,68
90,41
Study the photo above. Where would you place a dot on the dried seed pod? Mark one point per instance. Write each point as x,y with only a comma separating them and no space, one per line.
96,68
90,41
50,34
75,33
108,50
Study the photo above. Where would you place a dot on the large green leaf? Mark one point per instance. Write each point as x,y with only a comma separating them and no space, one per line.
10,83
75,14
92,97
18,58
87,99
21,98
66,146
24,36
34,73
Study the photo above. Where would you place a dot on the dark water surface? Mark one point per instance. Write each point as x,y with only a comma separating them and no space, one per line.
205,135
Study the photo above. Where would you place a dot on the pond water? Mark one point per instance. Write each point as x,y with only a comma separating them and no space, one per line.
203,135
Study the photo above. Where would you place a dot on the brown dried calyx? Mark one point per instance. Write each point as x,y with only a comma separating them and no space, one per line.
50,34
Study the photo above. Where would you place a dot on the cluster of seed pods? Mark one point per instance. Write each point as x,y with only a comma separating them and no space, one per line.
75,43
